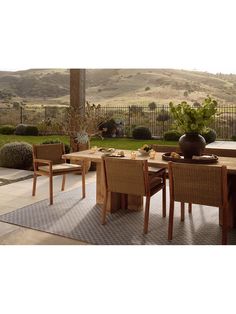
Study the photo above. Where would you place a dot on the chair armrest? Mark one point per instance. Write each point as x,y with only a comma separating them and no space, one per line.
43,161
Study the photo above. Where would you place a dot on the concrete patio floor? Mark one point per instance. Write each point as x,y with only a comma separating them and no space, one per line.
18,194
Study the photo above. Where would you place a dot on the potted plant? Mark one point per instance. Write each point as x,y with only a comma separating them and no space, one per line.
192,121
82,124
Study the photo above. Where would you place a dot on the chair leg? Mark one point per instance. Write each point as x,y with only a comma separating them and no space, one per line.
164,197
224,226
34,184
83,180
190,208
146,215
182,211
171,221
104,209
50,190
63,182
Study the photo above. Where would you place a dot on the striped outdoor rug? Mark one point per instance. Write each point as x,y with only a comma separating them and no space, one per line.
79,219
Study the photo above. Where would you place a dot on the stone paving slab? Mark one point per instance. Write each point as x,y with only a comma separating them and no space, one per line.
13,174
222,144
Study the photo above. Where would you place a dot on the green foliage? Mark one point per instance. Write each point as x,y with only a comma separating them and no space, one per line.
7,129
136,109
24,129
142,133
20,129
16,155
5,95
209,136
152,106
193,120
31,130
186,93
172,135
163,116
147,88
49,127
109,128
233,137
67,147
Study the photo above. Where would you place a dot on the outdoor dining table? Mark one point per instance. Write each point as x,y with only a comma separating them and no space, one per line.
136,202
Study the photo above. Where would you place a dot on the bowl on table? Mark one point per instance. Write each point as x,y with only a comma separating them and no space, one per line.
143,152
107,151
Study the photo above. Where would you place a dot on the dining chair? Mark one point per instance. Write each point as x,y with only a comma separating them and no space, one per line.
131,177
198,184
47,161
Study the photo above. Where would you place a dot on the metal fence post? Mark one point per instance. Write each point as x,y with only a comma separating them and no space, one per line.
129,120
21,115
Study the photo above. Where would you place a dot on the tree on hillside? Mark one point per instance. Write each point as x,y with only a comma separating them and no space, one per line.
162,117
186,93
136,109
152,106
5,95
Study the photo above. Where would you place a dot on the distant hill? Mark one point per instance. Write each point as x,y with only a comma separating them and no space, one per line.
118,86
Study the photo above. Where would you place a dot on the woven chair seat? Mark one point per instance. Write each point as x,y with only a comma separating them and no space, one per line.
61,167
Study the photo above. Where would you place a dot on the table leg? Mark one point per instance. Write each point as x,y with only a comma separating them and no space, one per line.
232,203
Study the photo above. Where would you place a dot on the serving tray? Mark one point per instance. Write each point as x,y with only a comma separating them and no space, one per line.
211,159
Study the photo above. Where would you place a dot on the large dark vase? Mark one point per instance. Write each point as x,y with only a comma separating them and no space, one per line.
192,144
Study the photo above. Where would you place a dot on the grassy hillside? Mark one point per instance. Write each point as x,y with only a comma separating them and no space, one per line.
115,87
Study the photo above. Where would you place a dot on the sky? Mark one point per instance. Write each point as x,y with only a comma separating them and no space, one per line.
192,35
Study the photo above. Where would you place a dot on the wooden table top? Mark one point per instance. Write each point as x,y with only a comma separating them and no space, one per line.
229,162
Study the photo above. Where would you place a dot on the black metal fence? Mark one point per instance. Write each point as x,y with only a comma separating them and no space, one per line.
158,119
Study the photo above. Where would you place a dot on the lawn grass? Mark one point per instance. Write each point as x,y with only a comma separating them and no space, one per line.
123,143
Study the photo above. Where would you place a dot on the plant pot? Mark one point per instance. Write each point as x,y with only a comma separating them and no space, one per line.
192,144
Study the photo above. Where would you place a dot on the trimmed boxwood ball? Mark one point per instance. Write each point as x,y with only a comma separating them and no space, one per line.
7,129
172,135
210,136
31,130
16,155
20,129
24,129
142,133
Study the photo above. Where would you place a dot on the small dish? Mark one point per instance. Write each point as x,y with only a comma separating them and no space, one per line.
143,152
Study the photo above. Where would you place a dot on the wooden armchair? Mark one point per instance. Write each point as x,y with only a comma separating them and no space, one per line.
132,177
198,184
47,161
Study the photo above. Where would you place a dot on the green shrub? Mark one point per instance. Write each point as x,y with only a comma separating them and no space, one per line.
20,129
210,136
172,135
152,106
16,155
142,133
24,129
31,130
7,129
233,137
109,127
67,147
50,127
